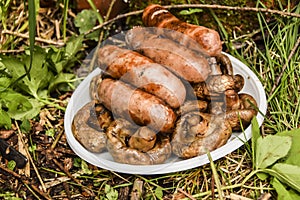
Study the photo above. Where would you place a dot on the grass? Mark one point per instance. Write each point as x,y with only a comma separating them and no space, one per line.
229,177
278,73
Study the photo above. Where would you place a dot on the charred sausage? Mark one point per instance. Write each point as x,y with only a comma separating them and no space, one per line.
136,105
142,72
209,40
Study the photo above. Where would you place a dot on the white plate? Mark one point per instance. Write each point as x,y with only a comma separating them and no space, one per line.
81,96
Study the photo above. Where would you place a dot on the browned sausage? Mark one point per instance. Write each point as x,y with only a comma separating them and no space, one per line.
189,65
136,105
142,72
209,40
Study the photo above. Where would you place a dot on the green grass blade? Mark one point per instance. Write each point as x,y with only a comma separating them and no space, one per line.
32,26
66,6
99,17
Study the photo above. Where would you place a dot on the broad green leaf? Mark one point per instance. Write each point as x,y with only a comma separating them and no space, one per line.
255,136
17,72
5,120
262,176
62,59
288,174
15,66
40,75
283,192
293,155
271,148
55,59
74,44
85,21
20,107
4,83
60,79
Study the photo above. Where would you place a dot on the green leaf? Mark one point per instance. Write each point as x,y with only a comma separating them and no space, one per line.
18,106
5,120
255,136
39,73
4,83
85,21
293,155
32,148
50,132
60,79
159,192
77,162
270,149
11,165
25,126
73,46
288,174
85,168
111,193
15,67
283,192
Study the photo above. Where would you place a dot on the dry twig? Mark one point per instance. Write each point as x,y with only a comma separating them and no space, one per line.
38,39
31,160
186,194
265,10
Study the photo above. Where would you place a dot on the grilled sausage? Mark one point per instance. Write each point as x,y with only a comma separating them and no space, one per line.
208,39
142,72
136,105
189,65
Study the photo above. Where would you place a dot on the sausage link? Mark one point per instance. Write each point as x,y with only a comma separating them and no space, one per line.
136,105
209,40
142,72
184,62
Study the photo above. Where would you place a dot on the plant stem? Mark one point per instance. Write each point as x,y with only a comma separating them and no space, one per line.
47,102
66,6
99,17
216,177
